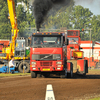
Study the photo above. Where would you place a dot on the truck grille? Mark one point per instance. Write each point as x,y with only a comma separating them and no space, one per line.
46,57
45,63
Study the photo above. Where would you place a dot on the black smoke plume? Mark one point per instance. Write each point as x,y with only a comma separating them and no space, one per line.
42,7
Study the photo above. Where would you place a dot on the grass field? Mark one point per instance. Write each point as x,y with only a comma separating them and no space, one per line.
90,71
95,99
15,74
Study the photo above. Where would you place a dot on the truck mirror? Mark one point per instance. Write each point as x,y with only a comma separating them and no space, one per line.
66,42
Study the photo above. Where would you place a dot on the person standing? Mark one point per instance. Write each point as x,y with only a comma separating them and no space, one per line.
11,62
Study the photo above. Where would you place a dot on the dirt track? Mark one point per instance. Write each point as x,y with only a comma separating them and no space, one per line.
26,88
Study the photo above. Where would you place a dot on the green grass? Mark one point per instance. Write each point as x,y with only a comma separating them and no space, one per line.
15,74
94,69
95,99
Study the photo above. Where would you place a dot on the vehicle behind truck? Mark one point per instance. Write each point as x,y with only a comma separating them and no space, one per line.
21,54
17,46
74,53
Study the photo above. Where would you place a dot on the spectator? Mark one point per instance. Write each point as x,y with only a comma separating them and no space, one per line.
11,63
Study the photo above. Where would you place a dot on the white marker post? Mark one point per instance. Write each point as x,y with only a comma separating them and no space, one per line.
49,93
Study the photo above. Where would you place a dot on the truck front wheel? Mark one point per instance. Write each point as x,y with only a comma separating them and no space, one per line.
33,74
63,74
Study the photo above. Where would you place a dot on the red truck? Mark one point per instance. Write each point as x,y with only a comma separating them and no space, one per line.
74,53
48,55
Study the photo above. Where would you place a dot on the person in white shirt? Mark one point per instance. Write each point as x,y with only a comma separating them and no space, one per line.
11,62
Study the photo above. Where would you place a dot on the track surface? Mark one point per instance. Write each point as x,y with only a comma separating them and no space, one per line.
26,88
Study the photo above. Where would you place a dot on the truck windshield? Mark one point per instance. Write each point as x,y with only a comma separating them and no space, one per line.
46,41
73,40
20,45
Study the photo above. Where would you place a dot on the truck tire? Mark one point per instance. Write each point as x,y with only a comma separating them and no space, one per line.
33,74
27,67
97,65
70,75
63,74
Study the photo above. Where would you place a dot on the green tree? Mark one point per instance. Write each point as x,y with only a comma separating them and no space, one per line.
95,26
73,17
25,21
4,21
81,18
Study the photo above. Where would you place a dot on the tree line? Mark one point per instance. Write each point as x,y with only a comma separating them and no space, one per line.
72,17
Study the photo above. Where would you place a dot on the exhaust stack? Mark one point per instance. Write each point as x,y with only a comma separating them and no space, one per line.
42,7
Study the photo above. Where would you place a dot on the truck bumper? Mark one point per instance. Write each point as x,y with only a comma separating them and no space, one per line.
46,69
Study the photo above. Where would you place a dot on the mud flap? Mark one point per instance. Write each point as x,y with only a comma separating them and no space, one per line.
82,66
86,66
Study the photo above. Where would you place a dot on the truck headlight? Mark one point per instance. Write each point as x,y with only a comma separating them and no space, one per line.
57,56
34,63
58,68
59,62
34,68
58,65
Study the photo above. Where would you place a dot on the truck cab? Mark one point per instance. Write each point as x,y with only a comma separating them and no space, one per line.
74,44
47,53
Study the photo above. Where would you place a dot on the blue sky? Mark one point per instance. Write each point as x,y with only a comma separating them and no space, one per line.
93,5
